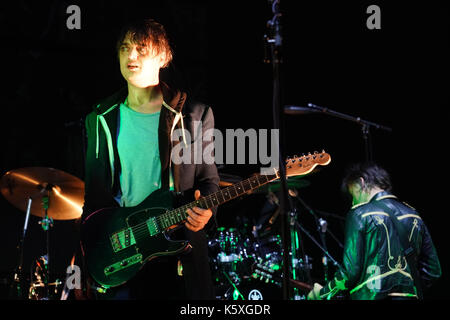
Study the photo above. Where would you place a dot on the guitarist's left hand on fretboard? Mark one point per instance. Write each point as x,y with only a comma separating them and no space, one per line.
198,217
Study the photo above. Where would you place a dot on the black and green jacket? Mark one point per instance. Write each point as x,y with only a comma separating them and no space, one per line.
374,266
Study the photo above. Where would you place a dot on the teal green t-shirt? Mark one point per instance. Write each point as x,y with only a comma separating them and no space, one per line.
138,148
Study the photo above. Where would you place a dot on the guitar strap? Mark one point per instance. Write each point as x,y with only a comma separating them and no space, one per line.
408,250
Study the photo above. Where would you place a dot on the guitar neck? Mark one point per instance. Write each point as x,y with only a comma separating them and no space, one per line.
215,199
294,166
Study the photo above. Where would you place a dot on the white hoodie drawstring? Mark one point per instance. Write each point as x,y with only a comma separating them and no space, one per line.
178,117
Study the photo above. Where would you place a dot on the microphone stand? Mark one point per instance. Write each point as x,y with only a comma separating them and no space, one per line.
365,125
275,43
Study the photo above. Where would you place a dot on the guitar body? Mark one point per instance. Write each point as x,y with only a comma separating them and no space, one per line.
117,242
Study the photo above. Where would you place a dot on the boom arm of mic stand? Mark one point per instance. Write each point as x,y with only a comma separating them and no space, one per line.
348,117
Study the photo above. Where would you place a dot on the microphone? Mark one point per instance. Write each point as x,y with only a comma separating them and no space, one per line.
295,110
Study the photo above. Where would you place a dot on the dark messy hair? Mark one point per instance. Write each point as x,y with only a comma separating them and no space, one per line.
373,175
147,33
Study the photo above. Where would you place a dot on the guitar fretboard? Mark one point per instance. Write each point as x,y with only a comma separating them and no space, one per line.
215,199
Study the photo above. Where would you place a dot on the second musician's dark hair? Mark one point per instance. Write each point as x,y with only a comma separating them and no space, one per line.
372,173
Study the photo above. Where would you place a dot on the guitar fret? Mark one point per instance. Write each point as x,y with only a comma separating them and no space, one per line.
161,222
240,188
179,215
209,202
166,222
245,185
221,196
226,194
254,182
214,200
233,191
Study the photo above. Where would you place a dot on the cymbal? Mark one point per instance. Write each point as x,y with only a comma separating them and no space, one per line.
65,192
292,183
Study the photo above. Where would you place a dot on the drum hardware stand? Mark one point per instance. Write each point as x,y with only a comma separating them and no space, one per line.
296,262
322,228
236,293
16,286
46,223
318,245
322,248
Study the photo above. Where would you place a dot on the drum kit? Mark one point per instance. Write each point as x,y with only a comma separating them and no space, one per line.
49,194
247,261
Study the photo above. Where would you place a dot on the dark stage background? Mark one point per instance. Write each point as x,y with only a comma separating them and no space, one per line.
396,76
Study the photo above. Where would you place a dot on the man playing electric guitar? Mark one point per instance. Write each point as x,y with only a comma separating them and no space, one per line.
129,156
376,262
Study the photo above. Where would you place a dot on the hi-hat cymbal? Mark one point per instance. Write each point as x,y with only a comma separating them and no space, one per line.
65,192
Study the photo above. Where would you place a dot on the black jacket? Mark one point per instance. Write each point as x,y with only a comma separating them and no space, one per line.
102,158
103,170
373,264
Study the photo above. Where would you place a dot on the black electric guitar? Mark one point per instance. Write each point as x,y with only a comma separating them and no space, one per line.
117,242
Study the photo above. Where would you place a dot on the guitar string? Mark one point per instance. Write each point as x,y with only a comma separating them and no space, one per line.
141,229
161,220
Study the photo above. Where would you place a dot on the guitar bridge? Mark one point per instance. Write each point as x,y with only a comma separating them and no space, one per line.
122,239
125,238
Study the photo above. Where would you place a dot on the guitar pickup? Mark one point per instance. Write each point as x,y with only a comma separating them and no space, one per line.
125,263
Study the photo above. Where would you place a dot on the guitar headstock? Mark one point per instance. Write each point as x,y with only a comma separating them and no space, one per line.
296,166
